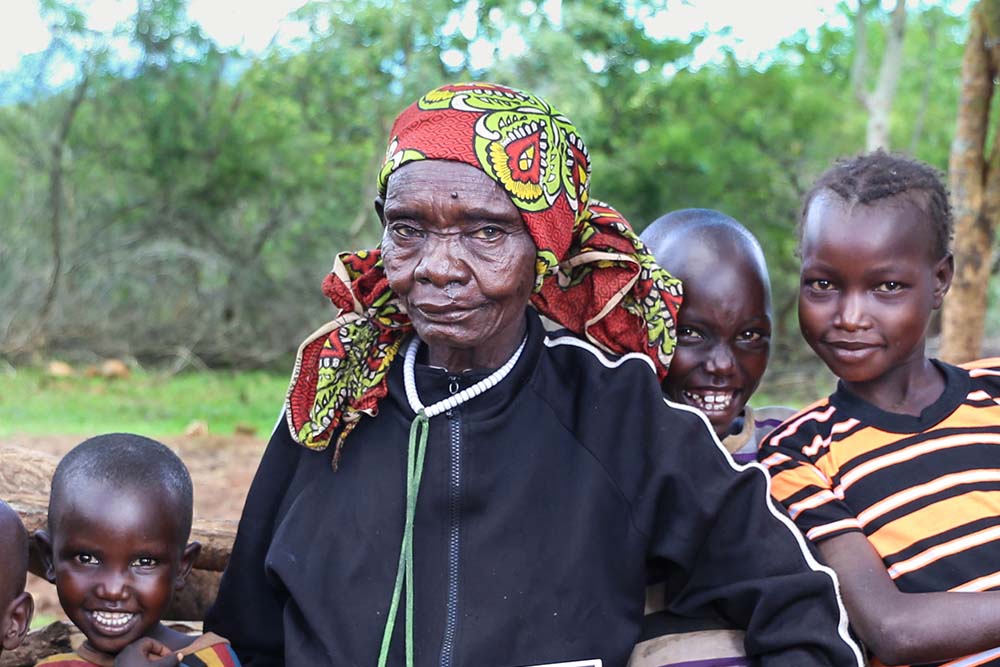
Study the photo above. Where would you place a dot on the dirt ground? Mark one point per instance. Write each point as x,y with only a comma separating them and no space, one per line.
222,468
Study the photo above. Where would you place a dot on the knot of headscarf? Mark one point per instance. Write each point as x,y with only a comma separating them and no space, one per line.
593,274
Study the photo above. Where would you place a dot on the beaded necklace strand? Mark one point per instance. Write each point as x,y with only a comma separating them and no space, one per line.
416,449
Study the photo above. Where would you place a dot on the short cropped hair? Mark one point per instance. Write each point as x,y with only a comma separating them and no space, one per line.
713,229
868,178
13,552
129,462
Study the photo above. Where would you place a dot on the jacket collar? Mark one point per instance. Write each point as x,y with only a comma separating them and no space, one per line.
434,384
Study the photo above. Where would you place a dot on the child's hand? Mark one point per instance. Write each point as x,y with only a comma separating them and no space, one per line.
147,652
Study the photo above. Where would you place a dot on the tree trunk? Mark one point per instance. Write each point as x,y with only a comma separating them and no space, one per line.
975,188
878,102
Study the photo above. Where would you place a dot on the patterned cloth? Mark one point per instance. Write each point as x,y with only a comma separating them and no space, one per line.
208,650
593,275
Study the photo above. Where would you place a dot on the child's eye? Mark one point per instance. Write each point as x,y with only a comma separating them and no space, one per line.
86,559
820,285
144,561
751,336
889,286
689,334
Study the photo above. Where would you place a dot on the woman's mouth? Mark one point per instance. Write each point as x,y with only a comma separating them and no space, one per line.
434,313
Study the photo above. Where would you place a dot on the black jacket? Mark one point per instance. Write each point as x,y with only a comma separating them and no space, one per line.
545,504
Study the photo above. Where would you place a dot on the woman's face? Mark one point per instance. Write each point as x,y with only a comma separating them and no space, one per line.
460,258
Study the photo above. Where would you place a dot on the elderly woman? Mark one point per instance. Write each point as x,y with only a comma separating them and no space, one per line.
453,485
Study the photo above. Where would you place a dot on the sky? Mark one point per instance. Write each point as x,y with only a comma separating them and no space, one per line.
749,28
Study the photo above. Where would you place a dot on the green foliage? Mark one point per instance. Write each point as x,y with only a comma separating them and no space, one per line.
202,194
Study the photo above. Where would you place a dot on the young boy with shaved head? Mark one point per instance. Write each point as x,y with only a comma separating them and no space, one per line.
724,325
16,605
723,344
117,548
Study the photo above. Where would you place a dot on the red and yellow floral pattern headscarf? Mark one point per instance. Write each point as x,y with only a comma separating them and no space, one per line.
593,275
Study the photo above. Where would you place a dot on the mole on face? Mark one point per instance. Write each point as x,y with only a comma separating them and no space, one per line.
454,195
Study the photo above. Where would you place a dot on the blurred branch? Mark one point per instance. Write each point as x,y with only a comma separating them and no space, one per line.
57,196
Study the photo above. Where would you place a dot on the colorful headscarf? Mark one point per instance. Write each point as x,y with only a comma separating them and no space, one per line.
593,275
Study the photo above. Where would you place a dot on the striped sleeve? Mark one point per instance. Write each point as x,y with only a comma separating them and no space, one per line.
796,455
64,660
217,655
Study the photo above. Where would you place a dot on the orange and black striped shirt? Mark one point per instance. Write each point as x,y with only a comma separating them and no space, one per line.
925,489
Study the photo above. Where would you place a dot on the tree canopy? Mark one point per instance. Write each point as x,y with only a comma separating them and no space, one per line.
172,198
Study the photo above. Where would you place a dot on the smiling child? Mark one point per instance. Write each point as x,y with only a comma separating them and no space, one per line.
724,324
895,475
16,606
117,548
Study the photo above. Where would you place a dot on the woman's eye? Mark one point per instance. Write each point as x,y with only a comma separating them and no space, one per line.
487,233
144,561
404,231
85,559
889,286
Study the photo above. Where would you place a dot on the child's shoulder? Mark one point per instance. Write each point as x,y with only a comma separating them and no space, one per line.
813,416
989,364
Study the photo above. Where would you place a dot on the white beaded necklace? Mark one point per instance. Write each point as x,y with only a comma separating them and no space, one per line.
457,399
415,451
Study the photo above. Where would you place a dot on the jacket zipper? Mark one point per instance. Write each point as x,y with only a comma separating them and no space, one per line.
451,614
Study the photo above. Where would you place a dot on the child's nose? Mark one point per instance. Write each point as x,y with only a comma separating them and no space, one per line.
850,315
720,360
113,587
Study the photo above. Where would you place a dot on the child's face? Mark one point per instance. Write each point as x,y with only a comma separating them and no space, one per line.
723,340
16,606
116,559
869,286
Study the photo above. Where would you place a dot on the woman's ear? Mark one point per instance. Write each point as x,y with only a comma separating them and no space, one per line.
944,271
380,209
44,544
188,558
17,620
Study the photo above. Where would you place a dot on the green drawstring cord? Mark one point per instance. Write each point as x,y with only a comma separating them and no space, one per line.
416,449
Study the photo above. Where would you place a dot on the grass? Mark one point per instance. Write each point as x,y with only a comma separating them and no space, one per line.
32,402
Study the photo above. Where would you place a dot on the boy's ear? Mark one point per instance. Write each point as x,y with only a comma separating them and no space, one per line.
944,271
380,209
188,558
17,620
44,544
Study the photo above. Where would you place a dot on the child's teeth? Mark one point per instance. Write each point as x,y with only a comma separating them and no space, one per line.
711,400
112,618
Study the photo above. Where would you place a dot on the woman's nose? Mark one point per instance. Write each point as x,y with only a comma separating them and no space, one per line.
442,261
